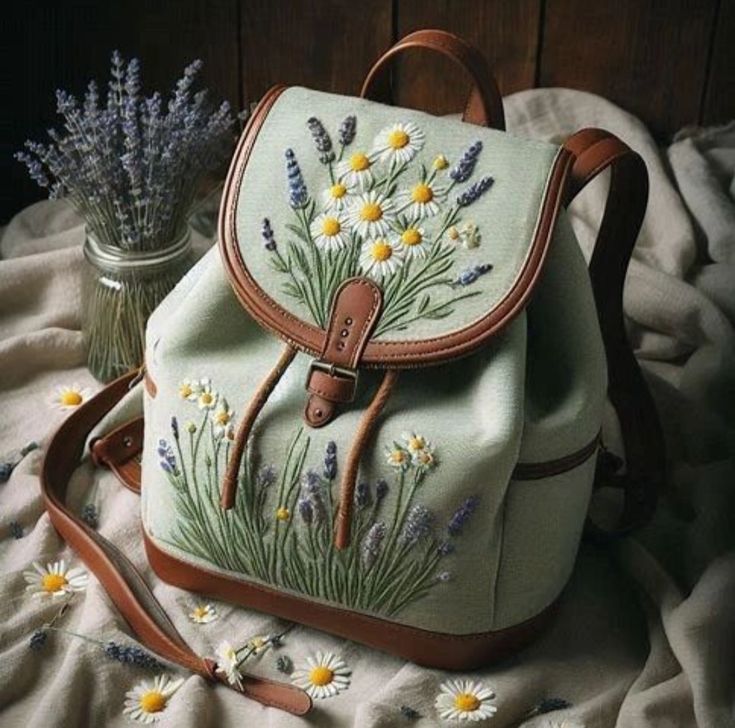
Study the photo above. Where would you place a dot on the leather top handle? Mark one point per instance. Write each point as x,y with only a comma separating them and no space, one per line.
595,151
484,105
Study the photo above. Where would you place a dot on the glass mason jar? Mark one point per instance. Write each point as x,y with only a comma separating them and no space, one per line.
121,289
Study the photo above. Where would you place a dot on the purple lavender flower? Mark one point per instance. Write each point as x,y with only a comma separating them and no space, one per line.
418,523
462,515
5,471
470,275
330,461
381,489
462,171
363,497
297,193
311,481
321,140
131,655
90,516
15,529
371,544
347,129
474,191
167,459
266,476
38,640
306,510
267,232
175,428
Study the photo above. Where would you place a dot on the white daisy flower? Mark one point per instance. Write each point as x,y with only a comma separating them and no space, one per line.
465,700
69,398
414,242
415,442
422,200
55,580
222,418
206,397
330,231
149,698
356,171
203,614
398,143
337,197
381,257
323,676
397,457
227,663
189,390
468,235
258,645
371,215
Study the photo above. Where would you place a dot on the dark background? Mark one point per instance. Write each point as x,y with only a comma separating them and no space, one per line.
670,62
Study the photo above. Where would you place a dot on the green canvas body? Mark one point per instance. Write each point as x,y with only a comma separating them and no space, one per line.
457,527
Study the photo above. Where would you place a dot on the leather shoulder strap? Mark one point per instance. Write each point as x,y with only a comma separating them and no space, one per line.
596,150
121,580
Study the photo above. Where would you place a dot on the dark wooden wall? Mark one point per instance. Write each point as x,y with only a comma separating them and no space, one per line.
670,62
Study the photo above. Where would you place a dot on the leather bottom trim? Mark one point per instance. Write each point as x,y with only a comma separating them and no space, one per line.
425,648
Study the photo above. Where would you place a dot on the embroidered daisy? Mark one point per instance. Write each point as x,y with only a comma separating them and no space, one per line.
149,698
415,442
371,215
356,171
399,143
203,614
55,580
330,231
69,398
336,198
206,396
189,390
227,663
467,235
413,242
421,200
398,457
323,676
440,162
381,257
222,418
465,700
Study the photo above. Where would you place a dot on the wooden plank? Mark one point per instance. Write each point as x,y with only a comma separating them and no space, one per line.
648,57
328,45
719,100
506,33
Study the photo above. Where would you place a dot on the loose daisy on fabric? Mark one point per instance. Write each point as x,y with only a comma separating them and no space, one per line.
399,143
465,700
371,215
356,171
323,676
69,398
422,200
337,197
227,663
259,644
203,614
206,396
381,257
330,231
55,580
147,701
414,242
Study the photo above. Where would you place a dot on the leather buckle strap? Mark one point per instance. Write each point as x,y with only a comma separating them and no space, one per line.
333,382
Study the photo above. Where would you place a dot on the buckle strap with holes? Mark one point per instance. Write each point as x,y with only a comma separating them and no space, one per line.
120,452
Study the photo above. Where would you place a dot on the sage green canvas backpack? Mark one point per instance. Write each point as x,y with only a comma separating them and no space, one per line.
375,408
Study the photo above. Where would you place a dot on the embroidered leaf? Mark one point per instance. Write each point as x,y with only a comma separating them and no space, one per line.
297,231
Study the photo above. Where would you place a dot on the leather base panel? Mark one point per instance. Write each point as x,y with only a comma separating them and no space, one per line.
425,648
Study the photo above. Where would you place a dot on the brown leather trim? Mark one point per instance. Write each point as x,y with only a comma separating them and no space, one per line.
119,450
149,384
549,468
429,649
394,354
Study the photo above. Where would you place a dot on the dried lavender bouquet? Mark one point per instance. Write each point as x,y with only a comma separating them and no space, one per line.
132,167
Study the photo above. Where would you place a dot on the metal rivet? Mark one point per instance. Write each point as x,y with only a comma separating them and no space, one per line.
318,412
128,441
340,345
344,332
348,321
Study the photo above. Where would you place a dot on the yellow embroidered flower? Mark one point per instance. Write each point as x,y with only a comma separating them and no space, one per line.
356,171
413,242
323,676
283,514
227,663
146,702
222,418
69,398
189,390
203,614
398,143
467,235
330,231
465,700
371,215
398,457
422,200
381,257
440,162
415,442
206,396
55,580
337,197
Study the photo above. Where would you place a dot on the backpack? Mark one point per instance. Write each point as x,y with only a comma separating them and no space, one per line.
376,409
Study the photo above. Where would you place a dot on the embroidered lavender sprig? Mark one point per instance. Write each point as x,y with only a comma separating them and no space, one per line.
266,476
363,497
269,237
347,130
167,459
175,428
306,511
297,193
474,191
312,491
462,515
462,171
371,543
418,523
381,490
470,275
330,461
321,140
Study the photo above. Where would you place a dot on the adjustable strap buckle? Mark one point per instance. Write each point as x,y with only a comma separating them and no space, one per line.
332,382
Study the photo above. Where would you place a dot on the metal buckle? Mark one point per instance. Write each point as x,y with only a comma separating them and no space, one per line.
333,370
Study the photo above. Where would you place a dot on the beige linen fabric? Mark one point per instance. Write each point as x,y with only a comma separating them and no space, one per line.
646,631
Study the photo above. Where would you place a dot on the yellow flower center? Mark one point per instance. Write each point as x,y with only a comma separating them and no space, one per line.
321,675
466,702
371,212
359,162
453,233
441,162
283,514
411,236
257,642
422,193
53,582
338,191
200,612
381,250
222,417
70,398
185,391
152,702
398,139
398,457
206,398
330,226
416,443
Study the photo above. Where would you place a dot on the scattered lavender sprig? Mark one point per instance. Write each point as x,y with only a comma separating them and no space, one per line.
297,193
38,640
474,191
321,140
462,171
90,515
132,165
15,529
131,655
